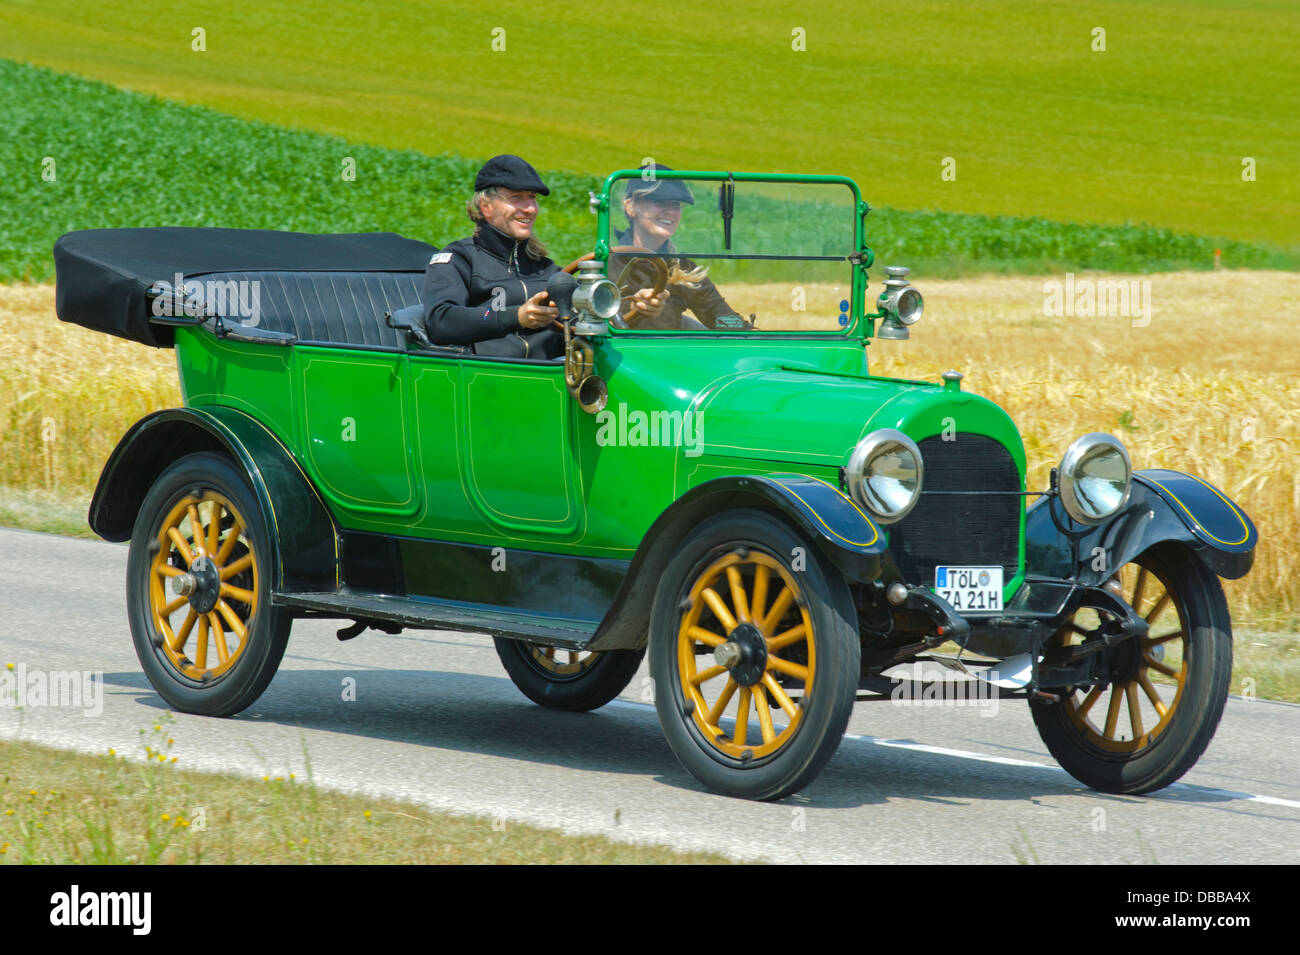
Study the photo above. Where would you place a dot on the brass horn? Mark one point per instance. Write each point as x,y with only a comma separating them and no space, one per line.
587,388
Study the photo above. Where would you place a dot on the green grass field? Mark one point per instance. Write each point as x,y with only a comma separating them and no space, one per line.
1151,130
127,159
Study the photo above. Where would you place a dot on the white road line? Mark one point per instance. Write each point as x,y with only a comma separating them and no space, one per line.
1172,791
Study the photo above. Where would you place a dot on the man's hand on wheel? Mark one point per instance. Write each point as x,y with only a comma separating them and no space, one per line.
533,314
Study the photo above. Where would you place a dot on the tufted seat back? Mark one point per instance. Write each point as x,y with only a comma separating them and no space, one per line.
339,308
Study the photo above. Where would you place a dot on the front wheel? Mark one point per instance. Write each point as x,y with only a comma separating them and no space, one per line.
755,656
573,680
1150,718
199,589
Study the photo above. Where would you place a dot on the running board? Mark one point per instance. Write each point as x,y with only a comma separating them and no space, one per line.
429,613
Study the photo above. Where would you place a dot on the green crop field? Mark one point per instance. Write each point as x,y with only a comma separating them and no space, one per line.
82,154
1035,117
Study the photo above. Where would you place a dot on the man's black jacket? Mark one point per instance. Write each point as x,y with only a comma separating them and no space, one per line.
472,292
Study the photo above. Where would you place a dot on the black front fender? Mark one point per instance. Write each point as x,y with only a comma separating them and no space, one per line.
1163,506
839,529
303,535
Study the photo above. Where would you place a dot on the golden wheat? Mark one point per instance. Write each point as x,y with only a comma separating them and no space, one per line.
1211,385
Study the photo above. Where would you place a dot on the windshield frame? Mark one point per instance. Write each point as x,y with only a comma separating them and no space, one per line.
859,324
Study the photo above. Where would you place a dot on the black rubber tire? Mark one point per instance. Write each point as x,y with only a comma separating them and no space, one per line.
830,704
598,683
1207,651
268,629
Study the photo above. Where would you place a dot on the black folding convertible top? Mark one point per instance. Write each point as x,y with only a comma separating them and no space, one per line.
103,275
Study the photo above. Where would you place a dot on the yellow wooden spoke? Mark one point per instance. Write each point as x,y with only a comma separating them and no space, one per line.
219,638
708,674
758,603
184,632
573,656
1157,665
201,651
1152,695
742,718
1091,698
793,635
229,543
239,593
719,609
778,694
782,604
214,526
231,569
1134,711
171,607
167,570
1160,605
738,598
1168,636
1112,711
549,652
788,668
764,714
728,691
706,636
196,528
1138,588
182,545
232,618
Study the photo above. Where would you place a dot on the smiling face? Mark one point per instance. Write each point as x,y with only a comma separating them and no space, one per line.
653,221
511,211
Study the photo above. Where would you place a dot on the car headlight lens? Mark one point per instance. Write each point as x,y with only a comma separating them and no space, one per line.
885,474
1095,478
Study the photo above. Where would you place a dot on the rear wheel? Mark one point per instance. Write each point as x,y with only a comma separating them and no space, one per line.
198,589
755,656
574,680
1149,722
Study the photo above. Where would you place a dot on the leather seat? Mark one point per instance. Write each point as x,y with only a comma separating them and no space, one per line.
337,308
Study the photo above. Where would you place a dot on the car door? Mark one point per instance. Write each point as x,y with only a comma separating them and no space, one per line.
516,439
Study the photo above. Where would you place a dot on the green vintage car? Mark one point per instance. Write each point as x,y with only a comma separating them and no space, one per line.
737,493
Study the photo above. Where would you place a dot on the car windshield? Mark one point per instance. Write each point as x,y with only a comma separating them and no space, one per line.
739,254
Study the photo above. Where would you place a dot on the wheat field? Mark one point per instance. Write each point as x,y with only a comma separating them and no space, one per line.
1210,385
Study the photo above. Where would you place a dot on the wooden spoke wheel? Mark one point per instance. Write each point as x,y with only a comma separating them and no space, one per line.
750,605
1149,718
203,552
755,656
198,591
563,679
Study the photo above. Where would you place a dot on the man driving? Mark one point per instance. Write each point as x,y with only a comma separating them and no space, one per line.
489,290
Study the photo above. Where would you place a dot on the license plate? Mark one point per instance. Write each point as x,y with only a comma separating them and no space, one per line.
970,589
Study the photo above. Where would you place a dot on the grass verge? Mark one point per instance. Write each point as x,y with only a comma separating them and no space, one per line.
58,807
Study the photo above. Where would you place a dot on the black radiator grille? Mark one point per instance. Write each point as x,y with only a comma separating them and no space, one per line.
961,528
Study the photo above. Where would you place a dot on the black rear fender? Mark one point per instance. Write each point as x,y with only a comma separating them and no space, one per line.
304,540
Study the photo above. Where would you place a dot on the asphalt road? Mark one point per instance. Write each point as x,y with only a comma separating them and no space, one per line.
437,722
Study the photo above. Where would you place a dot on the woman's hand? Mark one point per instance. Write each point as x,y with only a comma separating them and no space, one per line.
646,304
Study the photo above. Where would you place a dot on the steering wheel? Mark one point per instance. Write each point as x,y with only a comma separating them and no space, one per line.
646,271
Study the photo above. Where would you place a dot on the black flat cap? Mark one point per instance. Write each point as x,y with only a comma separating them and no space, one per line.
665,190
510,172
